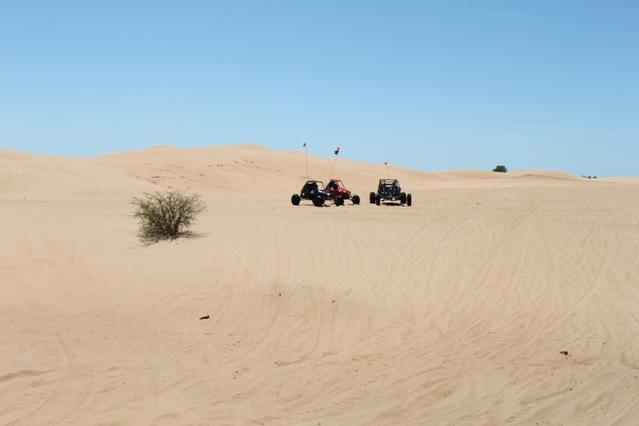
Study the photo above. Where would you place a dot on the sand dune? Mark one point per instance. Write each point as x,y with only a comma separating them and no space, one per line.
452,312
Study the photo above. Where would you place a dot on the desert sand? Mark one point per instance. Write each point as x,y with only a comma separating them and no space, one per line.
455,311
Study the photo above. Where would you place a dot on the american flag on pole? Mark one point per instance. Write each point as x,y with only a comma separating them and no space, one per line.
337,150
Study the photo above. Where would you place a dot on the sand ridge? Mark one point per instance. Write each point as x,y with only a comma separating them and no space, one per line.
454,311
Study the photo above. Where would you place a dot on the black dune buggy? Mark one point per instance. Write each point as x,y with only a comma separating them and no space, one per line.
312,190
390,190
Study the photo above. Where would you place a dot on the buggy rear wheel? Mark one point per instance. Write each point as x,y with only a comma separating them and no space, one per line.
339,201
409,200
402,198
295,199
378,200
318,201
371,197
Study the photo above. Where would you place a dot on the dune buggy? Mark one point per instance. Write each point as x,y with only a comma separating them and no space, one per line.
390,190
312,190
337,191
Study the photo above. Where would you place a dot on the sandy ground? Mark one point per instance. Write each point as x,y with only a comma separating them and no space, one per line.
452,312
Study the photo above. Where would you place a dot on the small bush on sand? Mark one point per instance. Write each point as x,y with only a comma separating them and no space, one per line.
168,214
500,169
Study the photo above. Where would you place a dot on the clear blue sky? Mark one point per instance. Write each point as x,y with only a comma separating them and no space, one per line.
427,84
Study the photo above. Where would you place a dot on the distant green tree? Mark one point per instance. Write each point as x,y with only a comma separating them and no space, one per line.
500,169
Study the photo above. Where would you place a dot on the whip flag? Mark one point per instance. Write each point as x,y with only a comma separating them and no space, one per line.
336,152
305,146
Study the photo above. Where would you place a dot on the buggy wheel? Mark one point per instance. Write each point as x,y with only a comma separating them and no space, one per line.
355,199
339,201
402,198
318,201
371,197
409,200
295,199
378,200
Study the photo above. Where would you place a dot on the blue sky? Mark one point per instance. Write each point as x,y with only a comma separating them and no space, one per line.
427,84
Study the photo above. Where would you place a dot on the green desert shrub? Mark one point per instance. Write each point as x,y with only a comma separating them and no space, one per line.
500,169
167,214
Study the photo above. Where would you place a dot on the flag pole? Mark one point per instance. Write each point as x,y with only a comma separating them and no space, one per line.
334,161
306,152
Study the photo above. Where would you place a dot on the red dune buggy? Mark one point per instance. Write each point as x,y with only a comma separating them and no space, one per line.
337,191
